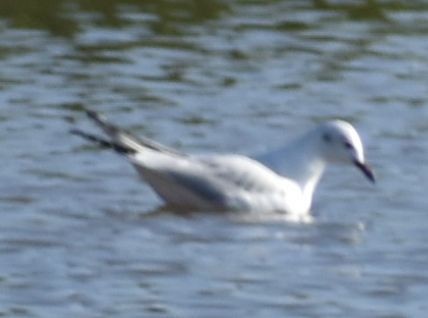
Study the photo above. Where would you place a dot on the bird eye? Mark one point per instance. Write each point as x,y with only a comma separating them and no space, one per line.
348,145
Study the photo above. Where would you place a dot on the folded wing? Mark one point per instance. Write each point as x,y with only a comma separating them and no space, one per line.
220,181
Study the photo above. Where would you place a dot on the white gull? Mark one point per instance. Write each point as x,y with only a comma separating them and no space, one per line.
283,180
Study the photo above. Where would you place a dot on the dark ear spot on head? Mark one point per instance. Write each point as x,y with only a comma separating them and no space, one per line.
326,137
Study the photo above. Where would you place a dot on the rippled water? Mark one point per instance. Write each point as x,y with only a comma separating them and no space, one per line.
81,236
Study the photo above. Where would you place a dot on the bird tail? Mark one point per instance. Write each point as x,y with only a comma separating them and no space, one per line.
119,139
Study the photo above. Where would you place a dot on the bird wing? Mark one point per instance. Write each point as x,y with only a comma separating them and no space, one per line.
177,177
187,180
210,181
126,139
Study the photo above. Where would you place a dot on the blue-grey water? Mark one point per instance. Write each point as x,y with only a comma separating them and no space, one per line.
81,236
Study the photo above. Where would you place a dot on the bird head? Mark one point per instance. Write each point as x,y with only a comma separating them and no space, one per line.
340,143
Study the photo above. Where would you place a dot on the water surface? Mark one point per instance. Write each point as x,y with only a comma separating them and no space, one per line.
80,234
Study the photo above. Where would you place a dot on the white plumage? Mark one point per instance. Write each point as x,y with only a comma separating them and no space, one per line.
283,180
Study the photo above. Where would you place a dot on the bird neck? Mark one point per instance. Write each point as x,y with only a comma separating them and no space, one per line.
300,161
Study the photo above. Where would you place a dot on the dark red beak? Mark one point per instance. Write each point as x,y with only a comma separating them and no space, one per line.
368,172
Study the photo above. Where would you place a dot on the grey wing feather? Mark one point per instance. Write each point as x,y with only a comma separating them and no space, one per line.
201,187
126,139
183,187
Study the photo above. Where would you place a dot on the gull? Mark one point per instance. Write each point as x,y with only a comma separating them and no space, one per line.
283,180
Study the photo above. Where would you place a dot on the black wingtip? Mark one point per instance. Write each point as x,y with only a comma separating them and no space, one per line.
76,132
102,122
122,149
92,114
